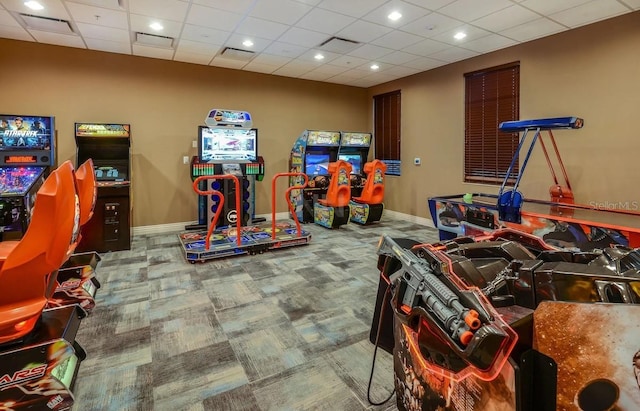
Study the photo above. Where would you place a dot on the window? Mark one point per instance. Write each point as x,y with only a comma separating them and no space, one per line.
387,130
491,97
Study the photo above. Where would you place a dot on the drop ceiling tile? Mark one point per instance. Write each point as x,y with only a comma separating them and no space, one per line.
348,61
325,21
236,6
109,46
397,40
92,31
409,13
105,4
83,13
533,30
265,29
589,13
309,56
6,19
454,54
365,69
546,7
489,43
52,8
236,40
58,39
400,71
469,10
363,31
271,59
330,69
227,63
353,8
294,69
506,18
344,78
204,34
195,58
472,32
634,4
309,2
260,68
141,24
153,52
397,57
431,25
430,4
281,11
424,63
15,33
426,47
302,37
213,18
366,82
160,9
197,47
285,49
317,76
370,51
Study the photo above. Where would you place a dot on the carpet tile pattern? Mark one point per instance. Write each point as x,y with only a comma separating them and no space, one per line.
285,330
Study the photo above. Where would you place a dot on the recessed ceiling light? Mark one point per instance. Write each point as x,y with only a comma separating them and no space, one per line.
394,16
318,56
247,43
34,5
156,26
460,35
374,66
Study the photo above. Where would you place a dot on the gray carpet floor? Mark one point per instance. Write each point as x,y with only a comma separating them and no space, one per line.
285,330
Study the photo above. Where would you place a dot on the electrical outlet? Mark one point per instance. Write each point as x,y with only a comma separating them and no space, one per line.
185,160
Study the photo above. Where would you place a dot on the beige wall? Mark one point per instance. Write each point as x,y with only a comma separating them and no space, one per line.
165,102
592,72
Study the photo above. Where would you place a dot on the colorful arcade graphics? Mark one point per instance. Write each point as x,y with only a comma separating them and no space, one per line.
227,145
368,207
108,145
333,210
225,241
26,153
575,345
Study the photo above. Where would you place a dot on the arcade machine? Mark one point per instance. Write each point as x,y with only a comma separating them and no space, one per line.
559,222
507,322
109,229
354,149
39,356
26,153
227,145
311,154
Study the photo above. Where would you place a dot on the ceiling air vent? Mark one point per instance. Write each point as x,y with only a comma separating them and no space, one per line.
338,45
47,24
237,54
154,40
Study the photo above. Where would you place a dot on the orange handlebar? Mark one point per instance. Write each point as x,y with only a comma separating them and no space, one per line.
287,199
219,208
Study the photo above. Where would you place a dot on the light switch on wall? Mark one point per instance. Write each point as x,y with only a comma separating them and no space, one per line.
185,160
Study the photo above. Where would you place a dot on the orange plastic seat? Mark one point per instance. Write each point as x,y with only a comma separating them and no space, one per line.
339,191
373,191
87,190
28,265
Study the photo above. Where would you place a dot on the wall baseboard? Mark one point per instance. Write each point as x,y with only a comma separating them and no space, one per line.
177,227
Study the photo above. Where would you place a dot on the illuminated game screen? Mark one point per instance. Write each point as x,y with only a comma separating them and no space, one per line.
354,159
222,144
316,164
25,132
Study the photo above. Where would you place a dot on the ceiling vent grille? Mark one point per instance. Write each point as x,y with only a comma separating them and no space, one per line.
47,24
237,54
154,40
338,45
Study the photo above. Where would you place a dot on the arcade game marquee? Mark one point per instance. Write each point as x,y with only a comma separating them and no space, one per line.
26,154
108,145
559,222
224,173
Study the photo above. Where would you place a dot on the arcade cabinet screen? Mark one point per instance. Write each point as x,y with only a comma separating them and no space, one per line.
227,144
25,132
316,164
353,159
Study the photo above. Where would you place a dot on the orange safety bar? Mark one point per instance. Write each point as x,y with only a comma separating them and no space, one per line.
87,190
287,199
219,209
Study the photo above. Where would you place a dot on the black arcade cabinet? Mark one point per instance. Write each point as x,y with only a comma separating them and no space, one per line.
108,145
26,154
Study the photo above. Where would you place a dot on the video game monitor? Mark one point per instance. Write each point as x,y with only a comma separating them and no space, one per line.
317,164
221,144
354,159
